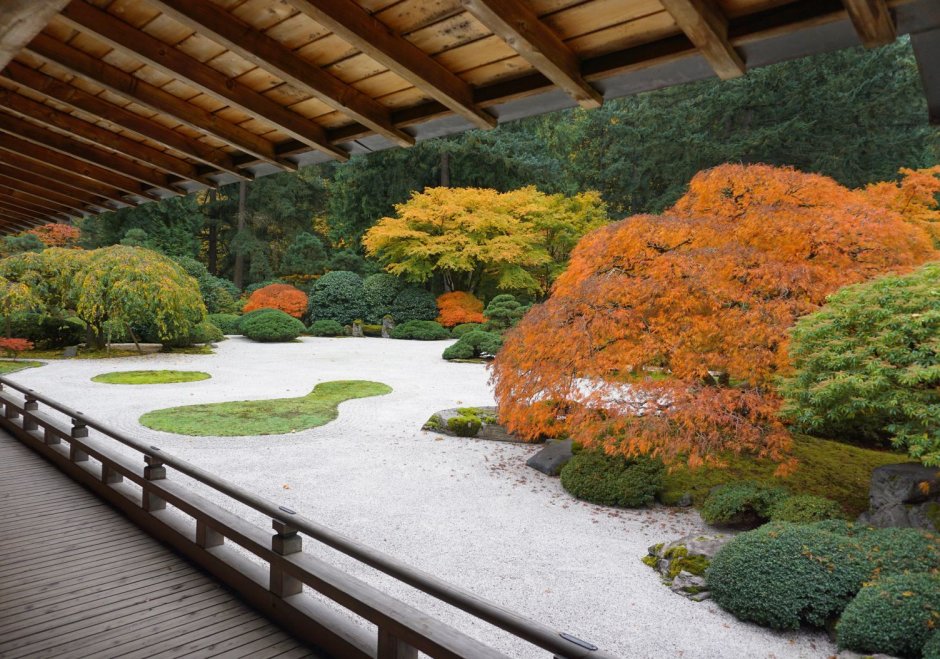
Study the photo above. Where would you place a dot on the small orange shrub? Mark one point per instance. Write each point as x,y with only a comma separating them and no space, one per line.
11,347
283,297
56,235
459,307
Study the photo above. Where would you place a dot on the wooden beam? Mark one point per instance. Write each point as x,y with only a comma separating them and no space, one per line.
131,87
81,100
520,27
224,28
41,193
707,29
872,21
926,46
112,186
125,174
67,182
25,214
25,200
16,222
21,20
359,28
96,135
126,38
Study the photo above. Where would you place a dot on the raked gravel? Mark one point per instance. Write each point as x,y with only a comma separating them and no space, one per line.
466,510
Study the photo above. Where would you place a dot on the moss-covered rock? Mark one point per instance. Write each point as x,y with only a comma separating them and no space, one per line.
683,562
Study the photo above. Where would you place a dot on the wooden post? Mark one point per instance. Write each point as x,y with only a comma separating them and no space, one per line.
154,471
29,423
109,476
284,542
79,431
206,536
50,436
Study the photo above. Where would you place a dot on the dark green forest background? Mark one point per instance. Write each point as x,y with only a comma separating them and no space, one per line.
856,115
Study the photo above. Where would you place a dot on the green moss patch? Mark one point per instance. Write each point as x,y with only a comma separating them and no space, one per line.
9,366
150,377
830,469
263,417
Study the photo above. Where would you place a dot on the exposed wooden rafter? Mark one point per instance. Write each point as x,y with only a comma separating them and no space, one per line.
124,84
707,28
40,192
192,72
872,21
9,208
81,100
518,26
222,27
357,27
70,183
24,200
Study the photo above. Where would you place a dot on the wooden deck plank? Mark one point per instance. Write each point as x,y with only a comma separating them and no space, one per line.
77,579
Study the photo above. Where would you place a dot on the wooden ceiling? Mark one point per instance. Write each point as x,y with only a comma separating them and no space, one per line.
110,103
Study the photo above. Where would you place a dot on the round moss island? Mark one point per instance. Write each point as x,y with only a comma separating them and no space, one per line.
150,377
277,416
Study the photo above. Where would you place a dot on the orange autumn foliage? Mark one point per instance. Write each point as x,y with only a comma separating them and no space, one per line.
459,307
56,235
666,333
915,197
284,297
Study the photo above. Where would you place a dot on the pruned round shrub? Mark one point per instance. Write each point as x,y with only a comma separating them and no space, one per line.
894,615
284,297
743,504
380,291
414,303
271,325
459,307
504,311
421,330
227,322
339,296
474,345
206,332
325,328
613,480
867,364
461,329
465,425
782,574
805,509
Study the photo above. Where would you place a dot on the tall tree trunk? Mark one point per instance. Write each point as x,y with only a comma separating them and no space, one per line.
445,170
212,251
239,257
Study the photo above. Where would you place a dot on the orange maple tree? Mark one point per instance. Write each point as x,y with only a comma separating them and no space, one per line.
12,347
915,197
284,297
56,235
459,307
666,333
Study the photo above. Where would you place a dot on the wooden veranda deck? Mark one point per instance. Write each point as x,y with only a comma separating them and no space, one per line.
66,592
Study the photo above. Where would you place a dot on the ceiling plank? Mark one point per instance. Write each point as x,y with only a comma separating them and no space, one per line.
69,183
21,20
81,100
707,29
521,28
96,135
68,164
126,172
41,193
10,224
872,21
131,87
24,200
357,27
222,27
23,213
126,38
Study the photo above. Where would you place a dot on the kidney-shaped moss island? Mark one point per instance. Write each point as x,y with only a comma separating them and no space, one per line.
150,377
263,417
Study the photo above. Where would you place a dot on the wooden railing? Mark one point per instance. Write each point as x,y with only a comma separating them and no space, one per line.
198,528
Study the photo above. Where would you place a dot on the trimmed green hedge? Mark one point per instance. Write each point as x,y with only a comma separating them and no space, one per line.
326,328
271,326
227,322
459,330
612,480
421,330
805,509
744,504
339,296
474,345
414,304
45,332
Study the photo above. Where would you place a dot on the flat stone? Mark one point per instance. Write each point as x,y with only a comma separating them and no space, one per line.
70,351
700,544
491,431
552,457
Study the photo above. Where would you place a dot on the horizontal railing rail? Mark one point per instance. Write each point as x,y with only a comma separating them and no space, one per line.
402,630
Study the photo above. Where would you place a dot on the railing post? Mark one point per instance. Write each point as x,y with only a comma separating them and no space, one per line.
29,423
154,471
109,476
50,436
79,431
284,542
206,536
10,410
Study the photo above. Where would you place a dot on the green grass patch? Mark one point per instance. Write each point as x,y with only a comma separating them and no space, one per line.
84,353
9,366
830,469
263,417
150,377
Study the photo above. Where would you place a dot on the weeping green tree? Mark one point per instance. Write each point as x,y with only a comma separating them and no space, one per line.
135,286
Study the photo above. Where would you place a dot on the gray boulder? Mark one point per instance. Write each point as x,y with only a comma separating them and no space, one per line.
388,324
904,495
682,563
552,457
